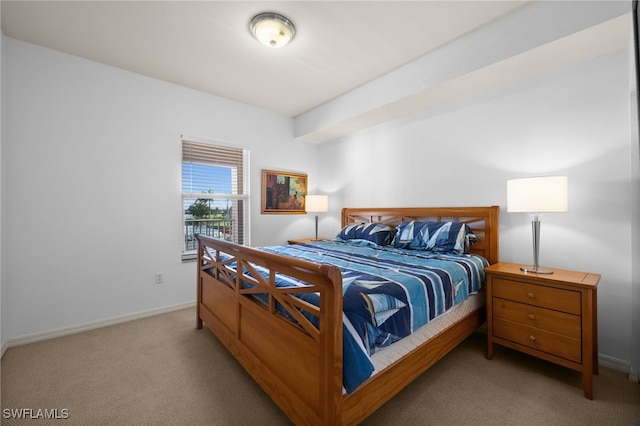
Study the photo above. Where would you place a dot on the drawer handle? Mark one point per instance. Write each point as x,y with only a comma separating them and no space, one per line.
531,317
531,295
532,338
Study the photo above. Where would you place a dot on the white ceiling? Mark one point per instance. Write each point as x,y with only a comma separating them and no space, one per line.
206,45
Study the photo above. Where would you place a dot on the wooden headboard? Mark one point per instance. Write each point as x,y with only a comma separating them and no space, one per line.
484,221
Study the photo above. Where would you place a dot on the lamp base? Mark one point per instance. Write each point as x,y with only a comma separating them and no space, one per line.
536,270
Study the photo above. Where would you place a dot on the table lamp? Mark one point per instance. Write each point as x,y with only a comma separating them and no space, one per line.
536,195
316,204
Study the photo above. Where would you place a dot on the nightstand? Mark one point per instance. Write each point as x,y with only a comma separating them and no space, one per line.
305,240
552,317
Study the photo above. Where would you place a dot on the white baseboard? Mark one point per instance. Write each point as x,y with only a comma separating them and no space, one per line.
64,331
615,364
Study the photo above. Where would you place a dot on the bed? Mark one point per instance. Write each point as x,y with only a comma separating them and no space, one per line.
296,340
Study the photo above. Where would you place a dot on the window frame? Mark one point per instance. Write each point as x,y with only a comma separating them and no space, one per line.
241,224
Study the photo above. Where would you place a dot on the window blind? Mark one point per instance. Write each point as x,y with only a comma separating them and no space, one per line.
198,177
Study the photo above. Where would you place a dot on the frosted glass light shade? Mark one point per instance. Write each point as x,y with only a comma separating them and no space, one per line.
545,194
272,29
316,203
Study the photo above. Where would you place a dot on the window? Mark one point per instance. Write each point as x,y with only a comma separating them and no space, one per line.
214,193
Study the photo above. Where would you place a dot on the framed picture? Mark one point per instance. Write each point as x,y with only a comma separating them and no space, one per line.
283,192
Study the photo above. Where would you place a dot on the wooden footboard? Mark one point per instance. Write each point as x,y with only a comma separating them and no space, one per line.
298,362
293,349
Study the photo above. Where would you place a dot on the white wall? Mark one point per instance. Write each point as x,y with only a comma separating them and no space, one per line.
635,209
2,300
91,197
635,215
573,122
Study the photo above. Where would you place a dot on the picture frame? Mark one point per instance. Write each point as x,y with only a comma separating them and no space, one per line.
283,192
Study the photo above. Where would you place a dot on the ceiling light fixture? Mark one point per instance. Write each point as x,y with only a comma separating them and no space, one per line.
272,29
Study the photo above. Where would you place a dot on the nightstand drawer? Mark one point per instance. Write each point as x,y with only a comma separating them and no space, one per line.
548,297
545,341
533,316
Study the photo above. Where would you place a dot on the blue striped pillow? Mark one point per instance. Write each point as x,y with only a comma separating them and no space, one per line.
449,237
367,234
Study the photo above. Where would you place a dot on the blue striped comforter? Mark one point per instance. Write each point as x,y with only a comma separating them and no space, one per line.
388,293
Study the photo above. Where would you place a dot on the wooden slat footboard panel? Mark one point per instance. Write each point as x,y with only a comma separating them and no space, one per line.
275,337
220,301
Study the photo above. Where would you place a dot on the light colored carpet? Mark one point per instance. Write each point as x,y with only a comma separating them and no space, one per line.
162,371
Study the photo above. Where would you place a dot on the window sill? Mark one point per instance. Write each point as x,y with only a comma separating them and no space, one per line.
188,257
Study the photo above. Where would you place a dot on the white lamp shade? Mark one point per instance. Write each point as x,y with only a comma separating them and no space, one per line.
316,203
538,194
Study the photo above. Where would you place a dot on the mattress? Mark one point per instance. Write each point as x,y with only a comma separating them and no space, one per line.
390,354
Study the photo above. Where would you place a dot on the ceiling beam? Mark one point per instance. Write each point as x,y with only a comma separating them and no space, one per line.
535,39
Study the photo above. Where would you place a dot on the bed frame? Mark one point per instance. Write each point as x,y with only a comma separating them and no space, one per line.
298,364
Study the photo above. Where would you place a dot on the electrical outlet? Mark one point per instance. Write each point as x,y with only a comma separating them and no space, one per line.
159,278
